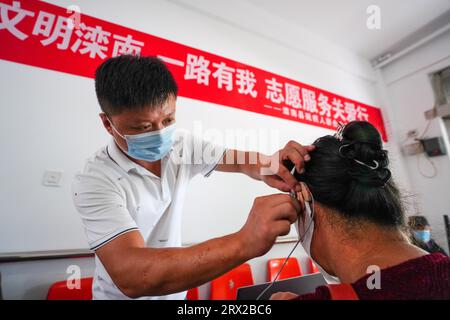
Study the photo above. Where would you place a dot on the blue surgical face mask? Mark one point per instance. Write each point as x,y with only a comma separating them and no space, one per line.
422,235
150,146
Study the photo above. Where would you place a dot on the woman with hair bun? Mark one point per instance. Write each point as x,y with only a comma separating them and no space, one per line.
353,226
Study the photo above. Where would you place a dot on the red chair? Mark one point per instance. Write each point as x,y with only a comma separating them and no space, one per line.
192,294
60,291
225,287
291,269
312,267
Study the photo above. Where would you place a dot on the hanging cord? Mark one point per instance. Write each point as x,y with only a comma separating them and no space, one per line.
420,138
425,130
278,274
434,174
294,196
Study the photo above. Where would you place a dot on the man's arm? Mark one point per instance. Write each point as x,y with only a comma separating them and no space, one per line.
270,169
140,271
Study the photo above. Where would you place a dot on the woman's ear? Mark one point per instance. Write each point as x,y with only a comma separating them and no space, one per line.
305,192
301,200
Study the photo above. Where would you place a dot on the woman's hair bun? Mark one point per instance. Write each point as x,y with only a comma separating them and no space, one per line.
363,132
362,145
348,173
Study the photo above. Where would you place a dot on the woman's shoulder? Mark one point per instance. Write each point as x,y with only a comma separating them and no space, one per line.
426,277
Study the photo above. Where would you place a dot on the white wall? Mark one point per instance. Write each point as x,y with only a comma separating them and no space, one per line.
55,115
410,94
55,125
49,122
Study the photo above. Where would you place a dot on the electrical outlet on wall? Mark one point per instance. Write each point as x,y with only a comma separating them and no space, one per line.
52,178
413,148
411,134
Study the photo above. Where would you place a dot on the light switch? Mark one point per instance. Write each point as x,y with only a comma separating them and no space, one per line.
52,178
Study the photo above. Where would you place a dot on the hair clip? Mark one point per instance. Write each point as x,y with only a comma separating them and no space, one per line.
340,149
339,131
377,165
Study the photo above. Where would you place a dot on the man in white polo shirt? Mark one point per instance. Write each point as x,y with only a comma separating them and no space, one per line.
130,194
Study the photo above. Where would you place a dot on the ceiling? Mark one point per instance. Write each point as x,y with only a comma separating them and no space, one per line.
344,21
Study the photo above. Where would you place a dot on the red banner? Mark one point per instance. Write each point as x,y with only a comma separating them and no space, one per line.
44,35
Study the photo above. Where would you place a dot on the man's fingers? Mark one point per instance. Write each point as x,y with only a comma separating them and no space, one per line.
287,177
287,210
282,227
310,148
296,158
283,206
301,149
272,200
295,153
283,296
278,183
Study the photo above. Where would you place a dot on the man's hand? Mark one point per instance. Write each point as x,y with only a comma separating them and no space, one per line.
270,169
270,217
283,296
274,172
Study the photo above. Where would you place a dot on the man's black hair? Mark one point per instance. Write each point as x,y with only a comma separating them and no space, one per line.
131,82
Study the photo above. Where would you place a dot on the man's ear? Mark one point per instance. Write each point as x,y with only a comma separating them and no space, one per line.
106,122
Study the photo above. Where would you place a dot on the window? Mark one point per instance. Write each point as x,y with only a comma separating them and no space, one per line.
441,86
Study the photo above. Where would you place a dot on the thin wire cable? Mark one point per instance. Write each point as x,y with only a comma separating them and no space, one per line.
290,253
420,138
425,130
278,274
434,174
